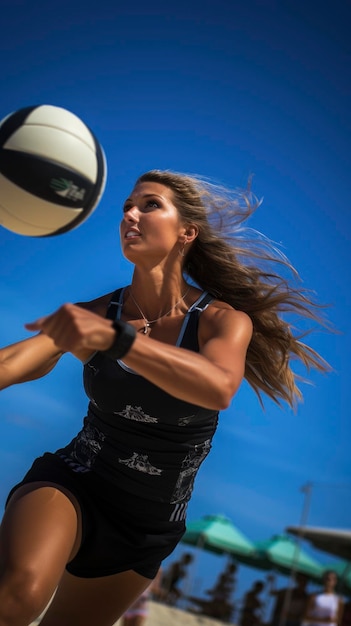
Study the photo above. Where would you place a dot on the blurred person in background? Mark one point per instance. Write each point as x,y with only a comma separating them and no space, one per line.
290,603
327,606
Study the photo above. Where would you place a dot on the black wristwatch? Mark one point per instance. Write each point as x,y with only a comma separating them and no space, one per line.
124,339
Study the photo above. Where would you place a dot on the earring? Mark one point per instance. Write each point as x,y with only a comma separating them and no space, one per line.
181,252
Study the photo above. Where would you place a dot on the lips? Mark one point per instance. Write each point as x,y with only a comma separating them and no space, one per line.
131,233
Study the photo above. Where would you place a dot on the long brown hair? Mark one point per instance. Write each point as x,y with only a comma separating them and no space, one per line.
242,267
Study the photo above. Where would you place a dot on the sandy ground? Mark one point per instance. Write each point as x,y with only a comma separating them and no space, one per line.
162,615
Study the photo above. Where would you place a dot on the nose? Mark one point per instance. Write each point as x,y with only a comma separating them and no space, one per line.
131,214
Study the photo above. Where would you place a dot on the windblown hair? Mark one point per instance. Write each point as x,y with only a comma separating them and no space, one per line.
240,266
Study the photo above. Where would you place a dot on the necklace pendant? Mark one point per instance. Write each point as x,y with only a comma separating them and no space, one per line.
146,328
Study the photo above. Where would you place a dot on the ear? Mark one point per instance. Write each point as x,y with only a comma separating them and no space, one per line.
189,233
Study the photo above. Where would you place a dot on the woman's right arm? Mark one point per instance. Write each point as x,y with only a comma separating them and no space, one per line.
27,360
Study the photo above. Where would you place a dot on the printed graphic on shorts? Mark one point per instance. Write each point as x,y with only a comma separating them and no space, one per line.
184,421
88,445
141,463
190,465
179,512
137,414
76,467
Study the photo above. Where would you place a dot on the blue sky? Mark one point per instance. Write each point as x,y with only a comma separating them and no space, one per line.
226,90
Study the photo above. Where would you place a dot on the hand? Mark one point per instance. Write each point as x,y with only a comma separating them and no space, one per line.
76,329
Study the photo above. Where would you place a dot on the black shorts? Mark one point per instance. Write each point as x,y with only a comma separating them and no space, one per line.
120,531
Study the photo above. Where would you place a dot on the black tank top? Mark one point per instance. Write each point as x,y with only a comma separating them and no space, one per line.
136,435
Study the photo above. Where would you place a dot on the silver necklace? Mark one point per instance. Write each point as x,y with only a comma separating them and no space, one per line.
147,326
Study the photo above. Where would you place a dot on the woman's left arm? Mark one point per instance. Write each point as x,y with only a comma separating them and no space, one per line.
210,377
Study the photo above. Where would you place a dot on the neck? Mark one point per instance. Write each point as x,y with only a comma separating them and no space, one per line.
164,311
157,290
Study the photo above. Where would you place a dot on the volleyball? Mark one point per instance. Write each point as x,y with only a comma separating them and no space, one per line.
52,171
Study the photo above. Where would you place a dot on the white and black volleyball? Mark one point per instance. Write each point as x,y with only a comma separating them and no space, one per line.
52,171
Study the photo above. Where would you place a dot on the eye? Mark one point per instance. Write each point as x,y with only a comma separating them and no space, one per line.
152,204
148,205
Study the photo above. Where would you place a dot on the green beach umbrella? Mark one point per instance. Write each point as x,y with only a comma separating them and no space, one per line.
216,533
283,554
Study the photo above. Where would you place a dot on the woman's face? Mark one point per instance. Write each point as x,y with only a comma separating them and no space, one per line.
151,227
330,580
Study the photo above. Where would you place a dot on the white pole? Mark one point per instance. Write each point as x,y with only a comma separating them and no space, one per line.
307,490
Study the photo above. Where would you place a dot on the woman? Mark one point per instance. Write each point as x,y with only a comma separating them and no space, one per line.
139,611
161,358
325,607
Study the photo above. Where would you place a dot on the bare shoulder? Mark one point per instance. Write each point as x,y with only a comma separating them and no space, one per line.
218,312
98,305
221,318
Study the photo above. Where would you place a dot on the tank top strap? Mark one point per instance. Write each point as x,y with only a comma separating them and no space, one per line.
114,309
202,302
188,335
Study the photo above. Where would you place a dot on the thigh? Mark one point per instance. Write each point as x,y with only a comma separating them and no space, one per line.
39,534
92,601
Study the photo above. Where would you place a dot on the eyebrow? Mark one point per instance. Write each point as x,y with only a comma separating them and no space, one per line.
146,195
